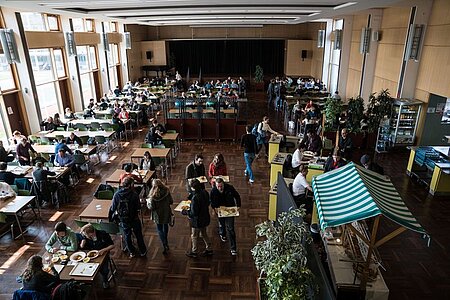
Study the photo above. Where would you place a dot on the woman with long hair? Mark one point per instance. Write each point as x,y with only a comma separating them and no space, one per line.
35,278
217,167
159,201
147,162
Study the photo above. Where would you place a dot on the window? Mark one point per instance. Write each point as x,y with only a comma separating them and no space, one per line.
113,27
48,68
83,25
87,62
3,135
6,75
335,59
113,62
446,113
40,22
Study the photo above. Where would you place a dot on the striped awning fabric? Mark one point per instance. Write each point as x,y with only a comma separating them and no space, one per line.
353,193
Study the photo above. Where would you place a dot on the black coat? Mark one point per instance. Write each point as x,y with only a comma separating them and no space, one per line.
129,195
199,210
193,171
230,197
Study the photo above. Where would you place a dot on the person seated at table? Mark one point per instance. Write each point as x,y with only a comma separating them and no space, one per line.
124,114
147,162
345,145
57,121
16,138
7,176
23,152
312,118
129,173
217,167
333,162
74,139
367,163
48,124
297,158
64,159
311,142
153,136
69,114
118,121
62,144
94,239
63,235
4,154
208,85
47,186
36,279
299,188
103,105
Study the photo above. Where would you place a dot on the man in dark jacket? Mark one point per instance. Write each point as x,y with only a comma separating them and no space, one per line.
223,194
199,215
367,163
126,206
7,176
195,169
93,239
311,142
345,145
248,142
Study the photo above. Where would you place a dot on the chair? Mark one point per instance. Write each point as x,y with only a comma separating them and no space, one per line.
13,163
80,223
48,164
160,165
23,193
84,139
41,190
22,183
105,195
30,295
159,146
14,187
80,160
133,166
34,139
59,137
95,126
147,146
79,115
101,141
81,127
208,115
171,131
107,116
60,128
196,115
106,126
45,140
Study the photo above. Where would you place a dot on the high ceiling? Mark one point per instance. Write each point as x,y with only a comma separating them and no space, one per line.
202,12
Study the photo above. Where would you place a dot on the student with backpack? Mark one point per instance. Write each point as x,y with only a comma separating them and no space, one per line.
125,207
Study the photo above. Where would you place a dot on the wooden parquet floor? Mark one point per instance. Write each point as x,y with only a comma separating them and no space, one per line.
413,270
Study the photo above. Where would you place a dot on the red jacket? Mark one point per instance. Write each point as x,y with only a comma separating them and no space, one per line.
217,171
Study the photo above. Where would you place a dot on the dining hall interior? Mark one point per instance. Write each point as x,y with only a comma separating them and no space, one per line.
348,106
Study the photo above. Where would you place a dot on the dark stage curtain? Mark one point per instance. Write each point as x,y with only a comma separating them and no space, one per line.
229,57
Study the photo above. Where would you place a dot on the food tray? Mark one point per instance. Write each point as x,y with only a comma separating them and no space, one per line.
84,269
225,211
183,204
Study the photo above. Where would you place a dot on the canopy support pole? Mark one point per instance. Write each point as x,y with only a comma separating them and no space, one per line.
359,234
373,236
390,236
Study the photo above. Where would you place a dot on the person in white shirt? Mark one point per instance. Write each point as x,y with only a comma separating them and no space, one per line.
299,188
264,131
297,157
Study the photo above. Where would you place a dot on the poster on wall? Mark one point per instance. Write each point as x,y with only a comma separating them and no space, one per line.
440,107
431,110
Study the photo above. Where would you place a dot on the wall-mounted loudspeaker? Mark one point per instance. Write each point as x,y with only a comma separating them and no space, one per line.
321,38
149,55
338,39
304,54
365,40
105,41
9,46
70,41
127,38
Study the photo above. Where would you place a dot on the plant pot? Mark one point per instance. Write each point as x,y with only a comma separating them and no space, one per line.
261,293
259,86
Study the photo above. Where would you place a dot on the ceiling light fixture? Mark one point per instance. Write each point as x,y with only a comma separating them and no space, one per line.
344,5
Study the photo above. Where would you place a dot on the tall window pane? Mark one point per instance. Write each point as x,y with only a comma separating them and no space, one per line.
113,77
77,24
6,75
3,135
48,99
82,58
93,58
90,25
42,65
33,21
87,88
52,23
59,63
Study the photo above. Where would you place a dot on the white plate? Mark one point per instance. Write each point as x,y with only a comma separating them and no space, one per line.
92,254
77,256
61,252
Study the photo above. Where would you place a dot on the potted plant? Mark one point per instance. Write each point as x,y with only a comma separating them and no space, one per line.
333,109
259,78
379,107
281,258
355,113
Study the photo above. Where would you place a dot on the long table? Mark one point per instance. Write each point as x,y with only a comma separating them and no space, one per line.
96,210
50,149
17,204
154,152
114,178
90,121
27,171
66,134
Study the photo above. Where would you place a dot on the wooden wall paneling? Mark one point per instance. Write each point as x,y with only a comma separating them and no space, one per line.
251,33
393,36
66,98
356,58
440,14
86,38
41,39
114,37
353,82
158,49
437,36
381,83
199,33
175,32
134,55
97,85
389,61
295,66
396,17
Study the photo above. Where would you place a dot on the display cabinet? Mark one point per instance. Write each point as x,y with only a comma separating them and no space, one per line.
404,119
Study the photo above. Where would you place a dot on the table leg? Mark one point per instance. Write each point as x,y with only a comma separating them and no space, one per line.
20,227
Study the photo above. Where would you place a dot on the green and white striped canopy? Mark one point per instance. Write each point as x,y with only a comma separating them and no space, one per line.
353,193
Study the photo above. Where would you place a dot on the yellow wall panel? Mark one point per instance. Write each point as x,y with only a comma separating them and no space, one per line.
380,83
394,17
394,36
86,38
437,36
295,66
440,14
389,61
353,81
356,58
158,49
44,39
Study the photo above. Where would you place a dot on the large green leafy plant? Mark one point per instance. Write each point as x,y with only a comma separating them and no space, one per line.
281,256
259,74
379,106
333,109
355,112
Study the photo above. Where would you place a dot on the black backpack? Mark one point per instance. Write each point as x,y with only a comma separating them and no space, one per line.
255,129
71,290
123,211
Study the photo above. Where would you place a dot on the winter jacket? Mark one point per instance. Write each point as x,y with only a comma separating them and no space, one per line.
230,197
68,242
160,206
129,195
199,210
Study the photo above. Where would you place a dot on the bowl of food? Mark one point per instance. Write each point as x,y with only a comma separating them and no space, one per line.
86,259
78,256
92,254
63,257
55,259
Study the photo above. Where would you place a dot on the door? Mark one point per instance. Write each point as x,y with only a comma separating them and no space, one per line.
14,112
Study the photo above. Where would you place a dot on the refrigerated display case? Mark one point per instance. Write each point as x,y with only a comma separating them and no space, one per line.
404,119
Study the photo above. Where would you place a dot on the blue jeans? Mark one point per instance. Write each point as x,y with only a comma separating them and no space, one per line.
134,227
249,157
163,232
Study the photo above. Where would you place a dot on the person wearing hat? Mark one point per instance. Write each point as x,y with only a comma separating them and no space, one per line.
367,163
